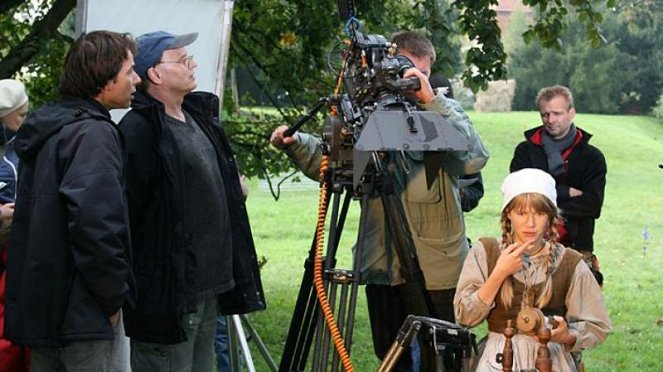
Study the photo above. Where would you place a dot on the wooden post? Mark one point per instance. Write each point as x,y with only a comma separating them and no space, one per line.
507,353
543,362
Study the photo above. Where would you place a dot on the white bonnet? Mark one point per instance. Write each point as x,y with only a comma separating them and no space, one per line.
528,180
12,96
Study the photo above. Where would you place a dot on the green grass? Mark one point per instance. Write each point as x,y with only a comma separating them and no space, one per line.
633,147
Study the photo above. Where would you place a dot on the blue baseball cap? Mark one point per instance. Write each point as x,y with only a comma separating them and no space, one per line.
152,45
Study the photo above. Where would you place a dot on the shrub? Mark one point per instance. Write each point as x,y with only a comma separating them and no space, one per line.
657,110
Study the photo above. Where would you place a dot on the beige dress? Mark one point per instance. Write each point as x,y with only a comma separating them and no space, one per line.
586,313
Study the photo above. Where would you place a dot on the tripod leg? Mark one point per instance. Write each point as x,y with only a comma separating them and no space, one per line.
233,345
302,324
259,343
304,319
241,338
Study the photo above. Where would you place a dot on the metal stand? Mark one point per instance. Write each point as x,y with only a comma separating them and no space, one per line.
240,354
453,345
342,285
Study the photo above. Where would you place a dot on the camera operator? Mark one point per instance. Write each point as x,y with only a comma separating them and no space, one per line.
434,214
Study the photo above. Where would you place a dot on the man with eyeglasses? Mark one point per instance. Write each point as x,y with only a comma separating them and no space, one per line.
194,253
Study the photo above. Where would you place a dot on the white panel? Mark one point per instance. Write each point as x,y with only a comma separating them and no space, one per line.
176,16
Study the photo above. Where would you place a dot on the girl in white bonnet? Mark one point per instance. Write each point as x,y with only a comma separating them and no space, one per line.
528,276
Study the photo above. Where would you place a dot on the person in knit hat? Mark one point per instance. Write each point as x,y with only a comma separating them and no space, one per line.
13,103
13,111
529,272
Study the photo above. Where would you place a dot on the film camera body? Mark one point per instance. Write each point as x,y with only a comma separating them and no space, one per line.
375,114
372,78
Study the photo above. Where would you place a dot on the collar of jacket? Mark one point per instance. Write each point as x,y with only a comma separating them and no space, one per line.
196,103
50,118
535,136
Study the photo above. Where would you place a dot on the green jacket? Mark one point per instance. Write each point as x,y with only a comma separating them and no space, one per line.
434,215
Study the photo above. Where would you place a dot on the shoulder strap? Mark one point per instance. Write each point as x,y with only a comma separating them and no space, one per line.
492,248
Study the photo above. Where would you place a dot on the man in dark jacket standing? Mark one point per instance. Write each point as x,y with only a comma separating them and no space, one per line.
194,252
563,150
69,271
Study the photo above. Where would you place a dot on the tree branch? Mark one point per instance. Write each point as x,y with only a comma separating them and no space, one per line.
43,30
5,5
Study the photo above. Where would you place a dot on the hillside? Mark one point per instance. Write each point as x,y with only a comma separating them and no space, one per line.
633,147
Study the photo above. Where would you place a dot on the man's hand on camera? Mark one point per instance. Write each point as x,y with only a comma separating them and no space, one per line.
279,141
425,94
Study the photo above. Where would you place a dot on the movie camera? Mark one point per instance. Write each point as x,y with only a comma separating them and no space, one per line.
376,111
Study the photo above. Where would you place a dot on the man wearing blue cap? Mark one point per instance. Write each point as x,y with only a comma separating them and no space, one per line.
194,252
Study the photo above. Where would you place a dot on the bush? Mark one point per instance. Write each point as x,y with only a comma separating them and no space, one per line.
657,110
497,98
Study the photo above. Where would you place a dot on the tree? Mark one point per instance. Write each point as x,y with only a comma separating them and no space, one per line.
621,76
30,41
287,42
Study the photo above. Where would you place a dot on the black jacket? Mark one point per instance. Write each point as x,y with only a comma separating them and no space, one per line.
69,266
584,169
163,261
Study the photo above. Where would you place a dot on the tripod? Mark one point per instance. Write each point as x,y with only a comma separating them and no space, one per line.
389,128
342,285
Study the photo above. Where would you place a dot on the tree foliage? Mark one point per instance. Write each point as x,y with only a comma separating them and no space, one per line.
623,75
288,45
32,44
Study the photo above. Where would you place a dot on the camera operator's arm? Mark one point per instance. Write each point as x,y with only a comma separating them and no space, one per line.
303,148
459,162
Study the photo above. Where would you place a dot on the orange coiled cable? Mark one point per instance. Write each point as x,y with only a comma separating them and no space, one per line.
317,273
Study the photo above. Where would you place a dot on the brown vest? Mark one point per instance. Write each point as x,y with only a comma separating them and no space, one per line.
561,282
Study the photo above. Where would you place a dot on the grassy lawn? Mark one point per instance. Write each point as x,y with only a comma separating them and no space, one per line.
633,147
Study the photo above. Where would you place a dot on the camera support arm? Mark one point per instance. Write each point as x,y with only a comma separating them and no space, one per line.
310,115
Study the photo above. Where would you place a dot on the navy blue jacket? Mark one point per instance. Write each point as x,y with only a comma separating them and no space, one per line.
8,169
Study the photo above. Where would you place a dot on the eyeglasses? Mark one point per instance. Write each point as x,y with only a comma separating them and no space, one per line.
187,61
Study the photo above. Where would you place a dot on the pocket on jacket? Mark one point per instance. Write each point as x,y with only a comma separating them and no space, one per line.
416,187
441,259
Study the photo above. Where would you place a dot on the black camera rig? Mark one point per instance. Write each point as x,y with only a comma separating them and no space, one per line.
370,117
374,113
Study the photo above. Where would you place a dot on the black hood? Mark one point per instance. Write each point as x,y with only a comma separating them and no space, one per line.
49,119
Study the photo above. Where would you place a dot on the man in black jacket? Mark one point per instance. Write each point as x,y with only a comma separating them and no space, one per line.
190,231
563,150
69,270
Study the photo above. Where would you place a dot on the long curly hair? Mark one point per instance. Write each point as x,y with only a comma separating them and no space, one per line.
539,203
